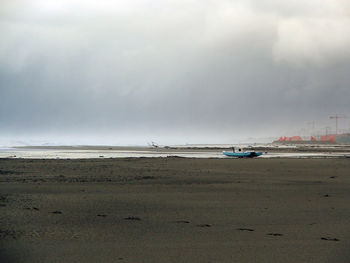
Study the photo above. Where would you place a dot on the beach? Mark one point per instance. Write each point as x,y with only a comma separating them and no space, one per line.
175,210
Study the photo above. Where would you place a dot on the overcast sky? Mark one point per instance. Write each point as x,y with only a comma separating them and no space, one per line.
172,71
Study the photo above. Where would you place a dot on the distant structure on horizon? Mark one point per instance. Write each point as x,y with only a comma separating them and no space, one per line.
330,138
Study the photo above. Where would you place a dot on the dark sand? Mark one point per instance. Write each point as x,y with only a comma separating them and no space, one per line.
175,210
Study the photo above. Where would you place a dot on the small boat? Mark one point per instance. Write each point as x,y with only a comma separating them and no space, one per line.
242,154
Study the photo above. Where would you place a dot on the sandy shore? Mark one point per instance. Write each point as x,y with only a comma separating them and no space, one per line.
175,210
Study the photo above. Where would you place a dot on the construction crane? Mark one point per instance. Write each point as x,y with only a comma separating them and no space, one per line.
312,124
336,117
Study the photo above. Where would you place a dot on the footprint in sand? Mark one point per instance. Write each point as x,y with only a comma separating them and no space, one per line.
274,234
101,215
56,212
182,222
32,208
204,225
329,239
132,218
246,229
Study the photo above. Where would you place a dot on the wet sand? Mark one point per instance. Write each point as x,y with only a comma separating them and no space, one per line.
175,210
274,148
191,151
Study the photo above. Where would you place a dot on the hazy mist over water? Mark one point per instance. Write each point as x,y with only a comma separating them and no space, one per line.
174,72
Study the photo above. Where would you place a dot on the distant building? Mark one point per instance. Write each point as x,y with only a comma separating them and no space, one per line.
331,138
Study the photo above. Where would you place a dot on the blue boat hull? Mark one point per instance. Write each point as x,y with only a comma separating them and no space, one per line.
242,154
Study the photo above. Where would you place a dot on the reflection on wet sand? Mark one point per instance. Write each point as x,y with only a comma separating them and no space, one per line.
192,151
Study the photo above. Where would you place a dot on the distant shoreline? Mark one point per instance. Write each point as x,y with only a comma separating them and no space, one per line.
265,148
201,151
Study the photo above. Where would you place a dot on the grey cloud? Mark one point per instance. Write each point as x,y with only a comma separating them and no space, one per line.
207,70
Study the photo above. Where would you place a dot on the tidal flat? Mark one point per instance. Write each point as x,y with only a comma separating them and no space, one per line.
175,210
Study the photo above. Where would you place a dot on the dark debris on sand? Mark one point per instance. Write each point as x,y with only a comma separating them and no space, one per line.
8,172
7,233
